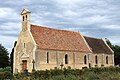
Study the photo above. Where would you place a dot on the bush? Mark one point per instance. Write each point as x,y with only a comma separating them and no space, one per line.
5,69
19,76
5,73
108,73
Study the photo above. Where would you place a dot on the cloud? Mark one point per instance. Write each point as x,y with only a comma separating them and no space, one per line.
112,27
96,18
8,14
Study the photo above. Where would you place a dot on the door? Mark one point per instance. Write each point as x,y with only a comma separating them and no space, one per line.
24,66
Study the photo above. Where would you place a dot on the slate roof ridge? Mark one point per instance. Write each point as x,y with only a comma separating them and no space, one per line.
93,38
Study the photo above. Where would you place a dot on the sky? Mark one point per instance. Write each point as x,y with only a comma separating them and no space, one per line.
94,18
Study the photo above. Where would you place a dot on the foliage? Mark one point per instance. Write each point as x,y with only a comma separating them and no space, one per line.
5,73
20,76
106,73
4,59
116,50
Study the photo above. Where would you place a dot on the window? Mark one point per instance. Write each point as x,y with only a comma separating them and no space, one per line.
74,57
66,59
106,59
96,60
57,57
24,45
47,57
85,59
23,18
26,17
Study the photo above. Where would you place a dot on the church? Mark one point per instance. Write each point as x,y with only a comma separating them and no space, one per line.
42,48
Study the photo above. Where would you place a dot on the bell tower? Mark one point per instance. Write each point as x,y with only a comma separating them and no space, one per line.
25,20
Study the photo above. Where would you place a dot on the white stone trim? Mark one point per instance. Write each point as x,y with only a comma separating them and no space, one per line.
113,59
108,46
35,45
14,62
86,43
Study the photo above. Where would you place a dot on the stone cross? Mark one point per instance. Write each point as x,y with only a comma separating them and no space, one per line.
33,65
61,65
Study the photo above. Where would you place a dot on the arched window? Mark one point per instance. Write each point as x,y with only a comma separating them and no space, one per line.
85,59
23,18
66,59
24,45
26,17
106,59
47,57
96,60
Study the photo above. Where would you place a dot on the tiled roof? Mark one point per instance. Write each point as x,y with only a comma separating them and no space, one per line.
53,39
98,45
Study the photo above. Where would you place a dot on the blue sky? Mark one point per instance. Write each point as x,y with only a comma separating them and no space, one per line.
94,18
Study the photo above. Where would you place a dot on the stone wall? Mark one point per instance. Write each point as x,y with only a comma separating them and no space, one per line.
24,50
75,59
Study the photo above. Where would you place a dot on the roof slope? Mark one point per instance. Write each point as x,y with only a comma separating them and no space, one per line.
48,38
98,45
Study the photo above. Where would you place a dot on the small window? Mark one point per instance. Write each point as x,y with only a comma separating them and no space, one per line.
57,57
24,45
26,17
106,59
85,59
47,57
66,59
23,18
96,60
74,57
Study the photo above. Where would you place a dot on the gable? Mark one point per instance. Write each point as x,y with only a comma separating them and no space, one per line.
25,11
53,39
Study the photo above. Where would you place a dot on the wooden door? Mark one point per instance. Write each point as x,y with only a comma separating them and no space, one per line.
24,66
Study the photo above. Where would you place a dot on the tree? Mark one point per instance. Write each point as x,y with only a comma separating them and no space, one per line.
4,58
116,50
109,43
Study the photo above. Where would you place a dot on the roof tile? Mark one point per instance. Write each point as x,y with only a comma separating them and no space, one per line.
48,38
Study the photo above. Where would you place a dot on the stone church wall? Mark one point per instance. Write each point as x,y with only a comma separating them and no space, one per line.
24,51
75,59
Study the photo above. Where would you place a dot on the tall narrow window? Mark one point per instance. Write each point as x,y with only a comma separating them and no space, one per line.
57,57
23,18
47,57
24,45
66,59
26,17
106,59
96,60
74,57
85,59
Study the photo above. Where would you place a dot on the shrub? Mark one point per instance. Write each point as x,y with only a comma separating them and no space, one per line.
90,76
19,76
108,73
5,69
5,73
